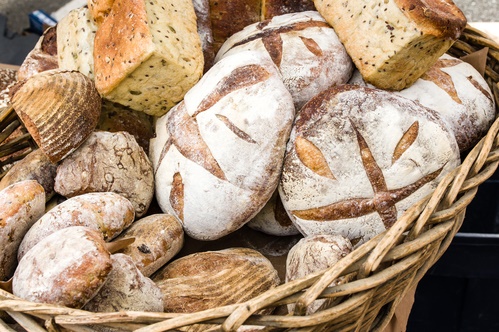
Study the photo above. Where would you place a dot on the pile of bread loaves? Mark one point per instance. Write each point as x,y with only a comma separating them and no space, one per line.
324,119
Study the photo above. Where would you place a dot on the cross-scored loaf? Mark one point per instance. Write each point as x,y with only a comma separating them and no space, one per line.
393,42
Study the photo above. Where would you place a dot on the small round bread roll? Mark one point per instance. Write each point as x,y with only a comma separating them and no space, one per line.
158,237
358,158
126,289
107,212
303,46
22,203
316,253
35,166
68,268
108,162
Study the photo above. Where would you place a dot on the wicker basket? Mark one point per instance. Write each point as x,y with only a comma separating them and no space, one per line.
385,268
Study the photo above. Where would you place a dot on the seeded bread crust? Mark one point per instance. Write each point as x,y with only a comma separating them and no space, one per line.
148,54
409,36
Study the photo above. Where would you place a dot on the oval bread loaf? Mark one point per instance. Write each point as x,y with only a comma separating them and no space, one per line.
108,162
359,157
68,267
158,238
217,155
210,279
22,203
107,212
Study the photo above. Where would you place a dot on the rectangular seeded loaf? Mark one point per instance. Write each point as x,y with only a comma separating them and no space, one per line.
393,42
147,54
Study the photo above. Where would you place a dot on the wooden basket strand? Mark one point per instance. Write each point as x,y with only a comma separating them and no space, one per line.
380,272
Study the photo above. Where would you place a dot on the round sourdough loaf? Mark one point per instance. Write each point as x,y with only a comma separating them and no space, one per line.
359,157
217,155
458,92
303,46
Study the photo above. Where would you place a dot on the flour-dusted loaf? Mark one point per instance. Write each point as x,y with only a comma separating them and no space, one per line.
359,157
210,279
42,57
217,155
158,238
147,54
393,42
126,288
75,41
35,166
66,268
303,46
22,204
457,91
316,253
108,162
108,213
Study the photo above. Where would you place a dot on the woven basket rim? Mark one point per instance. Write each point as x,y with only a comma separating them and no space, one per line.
418,238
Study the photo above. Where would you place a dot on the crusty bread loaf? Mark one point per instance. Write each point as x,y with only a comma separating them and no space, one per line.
42,57
126,288
67,268
209,279
22,204
108,213
35,166
394,42
303,46
158,238
316,253
217,155
147,54
75,41
118,165
359,157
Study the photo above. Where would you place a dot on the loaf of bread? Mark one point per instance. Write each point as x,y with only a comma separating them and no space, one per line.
118,164
35,166
126,288
22,203
303,46
217,155
394,42
210,279
147,54
42,57
75,41
68,268
359,157
313,254
158,238
108,213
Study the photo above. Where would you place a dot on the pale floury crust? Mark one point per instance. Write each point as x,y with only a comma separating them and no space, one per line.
217,155
359,157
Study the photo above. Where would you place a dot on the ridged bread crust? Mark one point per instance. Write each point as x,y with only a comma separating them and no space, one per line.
393,43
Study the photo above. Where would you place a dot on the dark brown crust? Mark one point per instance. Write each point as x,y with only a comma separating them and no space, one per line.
271,8
441,18
177,196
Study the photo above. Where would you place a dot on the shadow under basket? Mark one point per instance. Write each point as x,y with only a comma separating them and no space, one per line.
385,268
